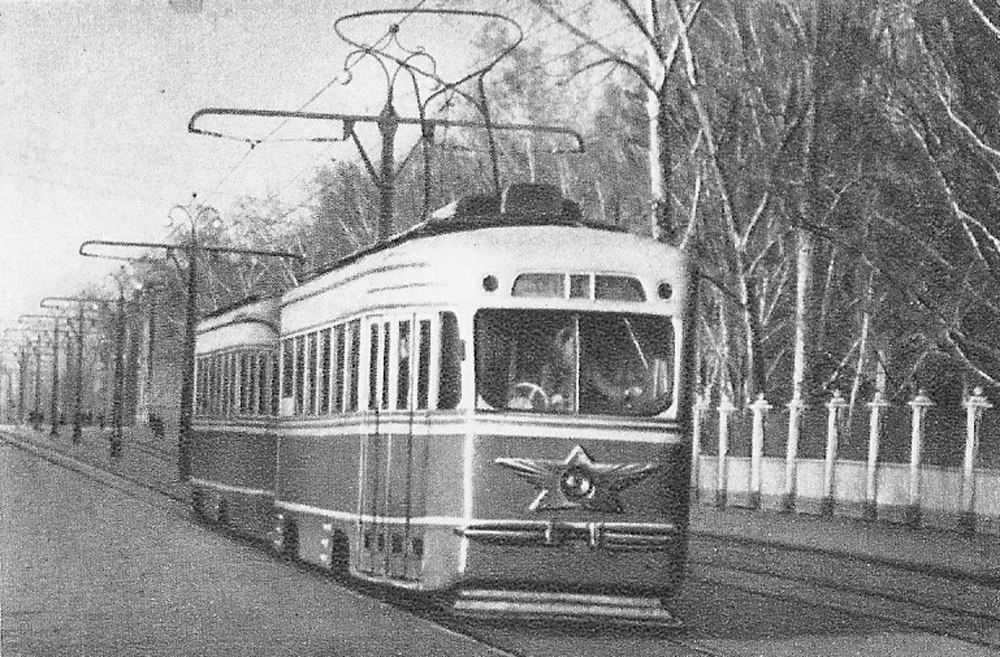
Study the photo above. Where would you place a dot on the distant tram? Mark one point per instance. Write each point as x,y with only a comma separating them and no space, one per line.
491,407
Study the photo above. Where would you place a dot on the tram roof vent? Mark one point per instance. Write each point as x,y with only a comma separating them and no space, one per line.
520,204
532,202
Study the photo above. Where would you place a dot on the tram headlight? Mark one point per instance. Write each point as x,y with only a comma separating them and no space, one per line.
665,290
490,283
576,485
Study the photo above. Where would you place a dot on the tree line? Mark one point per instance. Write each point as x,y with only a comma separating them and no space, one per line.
830,165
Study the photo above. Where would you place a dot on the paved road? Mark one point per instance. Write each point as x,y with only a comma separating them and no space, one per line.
90,570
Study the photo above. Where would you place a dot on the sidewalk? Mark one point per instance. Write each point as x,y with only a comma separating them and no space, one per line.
971,557
144,457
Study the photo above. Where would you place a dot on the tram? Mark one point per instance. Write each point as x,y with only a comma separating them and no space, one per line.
234,427
491,408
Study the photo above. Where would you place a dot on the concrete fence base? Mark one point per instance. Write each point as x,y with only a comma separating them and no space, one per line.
940,505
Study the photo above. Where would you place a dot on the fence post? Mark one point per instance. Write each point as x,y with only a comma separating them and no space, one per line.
795,409
834,407
920,404
877,405
700,407
974,407
759,407
726,409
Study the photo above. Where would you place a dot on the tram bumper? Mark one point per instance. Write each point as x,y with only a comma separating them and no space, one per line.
547,605
607,571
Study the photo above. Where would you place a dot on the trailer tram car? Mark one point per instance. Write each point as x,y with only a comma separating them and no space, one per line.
491,408
234,427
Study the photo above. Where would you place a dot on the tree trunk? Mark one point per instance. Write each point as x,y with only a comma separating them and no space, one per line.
803,320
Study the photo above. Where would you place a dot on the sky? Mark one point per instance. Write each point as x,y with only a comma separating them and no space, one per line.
95,99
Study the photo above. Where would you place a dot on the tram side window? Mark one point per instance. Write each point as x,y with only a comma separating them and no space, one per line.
199,391
386,359
324,372
298,380
253,384
217,384
262,384
338,368
272,384
223,363
227,377
231,381
403,366
211,381
424,368
353,364
246,385
217,367
373,351
311,374
450,385
287,363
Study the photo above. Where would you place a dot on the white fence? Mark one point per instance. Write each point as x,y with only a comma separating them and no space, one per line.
965,497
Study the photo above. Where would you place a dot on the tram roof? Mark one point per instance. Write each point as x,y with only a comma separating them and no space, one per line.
262,310
520,205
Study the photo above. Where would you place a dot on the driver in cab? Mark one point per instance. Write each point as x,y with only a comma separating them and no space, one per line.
558,388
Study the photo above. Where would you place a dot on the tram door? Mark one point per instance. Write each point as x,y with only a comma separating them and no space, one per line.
387,448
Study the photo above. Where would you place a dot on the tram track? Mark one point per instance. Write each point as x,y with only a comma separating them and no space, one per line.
863,603
989,580
848,589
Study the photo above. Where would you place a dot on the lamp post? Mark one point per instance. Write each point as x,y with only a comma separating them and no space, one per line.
190,324
54,405
144,385
193,214
82,306
118,390
23,363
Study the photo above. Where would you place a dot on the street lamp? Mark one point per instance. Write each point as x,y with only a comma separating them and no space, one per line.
193,214
23,363
123,280
83,305
190,324
54,407
144,385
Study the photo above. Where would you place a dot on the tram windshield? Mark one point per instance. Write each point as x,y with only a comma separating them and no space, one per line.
574,363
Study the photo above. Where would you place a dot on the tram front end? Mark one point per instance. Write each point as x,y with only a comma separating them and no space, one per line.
577,468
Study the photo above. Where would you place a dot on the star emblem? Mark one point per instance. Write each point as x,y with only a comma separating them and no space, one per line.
578,482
